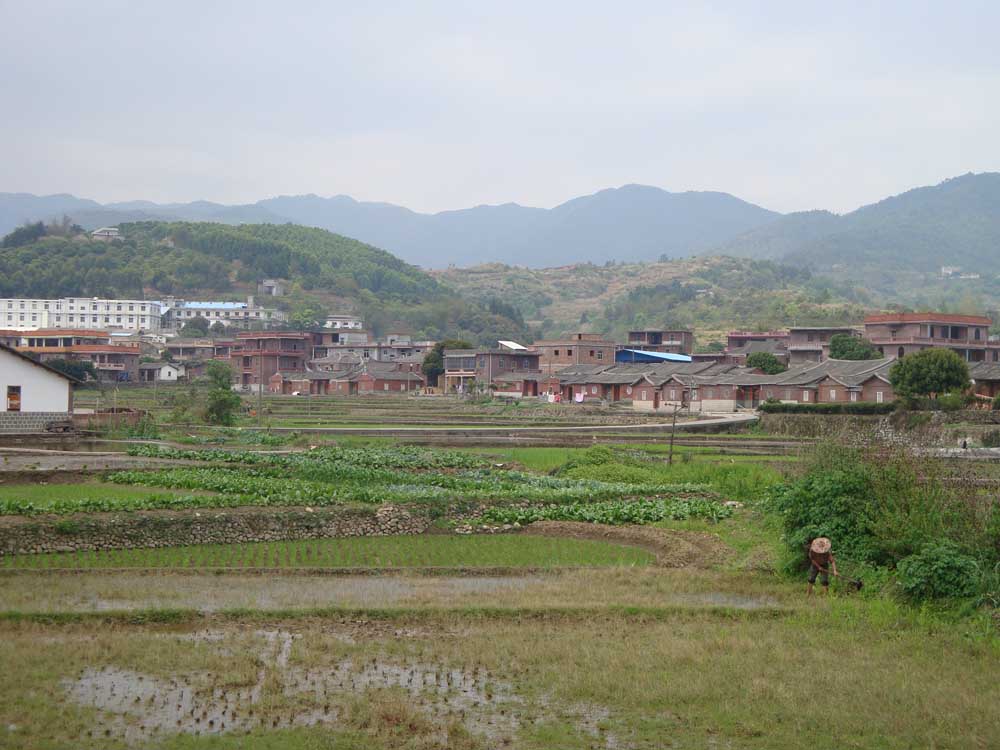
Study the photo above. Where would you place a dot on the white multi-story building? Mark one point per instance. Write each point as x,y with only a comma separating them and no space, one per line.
177,312
80,312
344,321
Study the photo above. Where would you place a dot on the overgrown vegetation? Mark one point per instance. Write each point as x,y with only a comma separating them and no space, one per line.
892,510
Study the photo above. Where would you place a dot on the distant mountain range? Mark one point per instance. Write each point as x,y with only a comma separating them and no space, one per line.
954,223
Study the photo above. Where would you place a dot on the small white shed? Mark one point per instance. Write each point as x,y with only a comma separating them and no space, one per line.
30,386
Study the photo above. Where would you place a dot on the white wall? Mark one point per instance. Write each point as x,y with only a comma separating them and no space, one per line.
41,390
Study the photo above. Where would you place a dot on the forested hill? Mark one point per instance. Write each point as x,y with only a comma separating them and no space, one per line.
326,273
955,223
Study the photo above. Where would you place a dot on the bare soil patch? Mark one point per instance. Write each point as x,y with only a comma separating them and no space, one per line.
673,549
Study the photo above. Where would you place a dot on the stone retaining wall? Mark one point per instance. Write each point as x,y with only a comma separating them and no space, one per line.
224,526
29,421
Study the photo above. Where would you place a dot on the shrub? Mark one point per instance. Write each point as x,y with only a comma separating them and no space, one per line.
938,571
996,402
851,407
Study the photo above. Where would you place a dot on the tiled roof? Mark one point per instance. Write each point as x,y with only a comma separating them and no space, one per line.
985,371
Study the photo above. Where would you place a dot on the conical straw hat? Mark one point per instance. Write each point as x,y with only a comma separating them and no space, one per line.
821,545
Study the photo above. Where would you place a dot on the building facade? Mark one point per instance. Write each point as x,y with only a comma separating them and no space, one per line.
580,348
900,334
812,344
79,312
255,357
244,315
672,341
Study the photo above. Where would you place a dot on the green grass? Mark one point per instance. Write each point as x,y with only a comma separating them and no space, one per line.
501,551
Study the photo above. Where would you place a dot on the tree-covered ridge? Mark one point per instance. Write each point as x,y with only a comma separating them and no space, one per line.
313,257
706,294
324,270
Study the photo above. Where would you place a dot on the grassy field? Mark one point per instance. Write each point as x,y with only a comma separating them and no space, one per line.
838,674
502,550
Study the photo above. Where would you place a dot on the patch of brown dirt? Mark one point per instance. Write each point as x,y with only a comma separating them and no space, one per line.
673,549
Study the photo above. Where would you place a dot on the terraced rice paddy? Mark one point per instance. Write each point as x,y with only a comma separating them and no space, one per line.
425,551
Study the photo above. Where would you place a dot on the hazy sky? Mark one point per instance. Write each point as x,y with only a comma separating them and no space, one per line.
445,105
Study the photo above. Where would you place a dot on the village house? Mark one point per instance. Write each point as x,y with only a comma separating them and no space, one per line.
741,344
187,349
899,334
812,343
255,357
350,322
161,372
985,378
366,378
580,348
112,362
509,369
33,394
674,341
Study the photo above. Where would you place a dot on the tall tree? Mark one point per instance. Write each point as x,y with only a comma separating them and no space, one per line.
929,372
765,362
846,346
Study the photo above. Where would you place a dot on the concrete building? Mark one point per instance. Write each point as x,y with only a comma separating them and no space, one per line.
255,357
580,348
673,341
33,394
244,315
899,334
112,362
353,322
106,234
80,312
161,372
812,343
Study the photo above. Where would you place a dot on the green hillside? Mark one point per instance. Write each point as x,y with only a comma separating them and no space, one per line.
326,272
709,295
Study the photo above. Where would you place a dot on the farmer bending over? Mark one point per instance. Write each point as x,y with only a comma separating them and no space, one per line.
821,563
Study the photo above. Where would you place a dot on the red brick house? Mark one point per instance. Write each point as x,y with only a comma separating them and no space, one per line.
812,344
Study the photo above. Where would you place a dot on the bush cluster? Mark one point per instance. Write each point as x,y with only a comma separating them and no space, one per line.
850,407
891,510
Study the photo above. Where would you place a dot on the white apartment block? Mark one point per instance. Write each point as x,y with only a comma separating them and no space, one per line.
80,312
177,312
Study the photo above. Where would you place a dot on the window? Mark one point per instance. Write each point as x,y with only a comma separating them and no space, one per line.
673,394
591,352
385,386
709,393
628,391
769,394
555,353
13,398
854,395
805,396
979,333
788,395
642,395
569,352
593,389
878,397
600,354
694,394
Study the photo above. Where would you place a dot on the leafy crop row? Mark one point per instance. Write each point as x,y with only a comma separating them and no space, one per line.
615,513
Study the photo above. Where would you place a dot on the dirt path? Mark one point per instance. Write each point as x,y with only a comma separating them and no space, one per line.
673,549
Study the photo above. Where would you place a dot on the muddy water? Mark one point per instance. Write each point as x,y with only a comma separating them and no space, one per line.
139,708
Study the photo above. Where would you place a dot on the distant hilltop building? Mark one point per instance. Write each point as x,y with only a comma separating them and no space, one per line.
106,234
344,321
949,271
271,288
